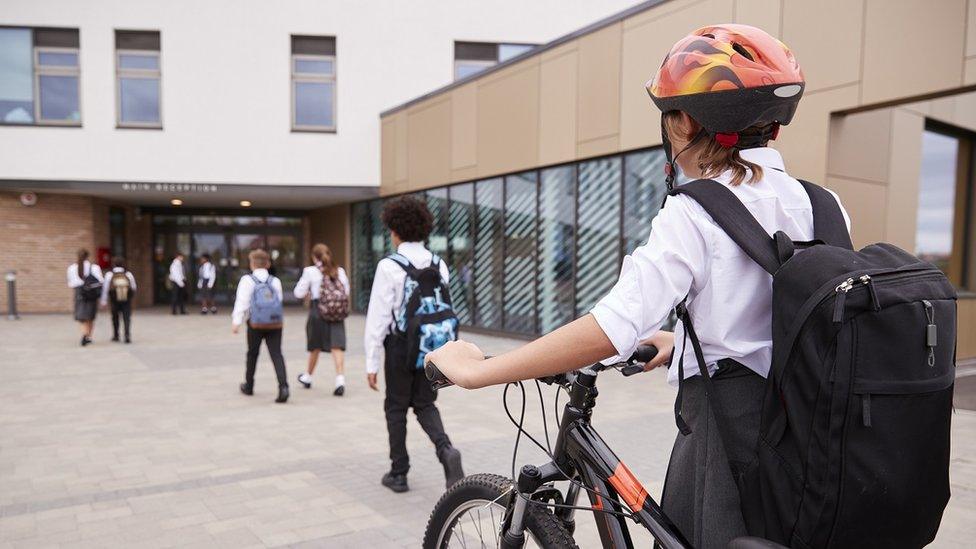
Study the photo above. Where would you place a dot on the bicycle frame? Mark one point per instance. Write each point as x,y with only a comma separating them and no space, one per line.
581,452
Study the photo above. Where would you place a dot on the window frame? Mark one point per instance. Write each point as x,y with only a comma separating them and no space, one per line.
297,77
49,70
484,64
144,74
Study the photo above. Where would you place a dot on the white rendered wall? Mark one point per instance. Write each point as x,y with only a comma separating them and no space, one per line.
226,88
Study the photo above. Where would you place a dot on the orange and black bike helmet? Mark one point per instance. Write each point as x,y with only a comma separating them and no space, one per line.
728,78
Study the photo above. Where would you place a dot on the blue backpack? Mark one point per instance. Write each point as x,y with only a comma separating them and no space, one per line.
266,310
426,319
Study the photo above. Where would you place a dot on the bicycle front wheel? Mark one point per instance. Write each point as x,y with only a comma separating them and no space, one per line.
471,512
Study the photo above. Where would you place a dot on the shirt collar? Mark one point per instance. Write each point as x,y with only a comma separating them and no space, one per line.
118,269
260,273
410,247
766,157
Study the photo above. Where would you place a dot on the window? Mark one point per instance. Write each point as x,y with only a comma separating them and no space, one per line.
520,249
598,240
474,57
116,231
488,254
461,223
313,83
644,191
557,247
944,228
39,75
137,70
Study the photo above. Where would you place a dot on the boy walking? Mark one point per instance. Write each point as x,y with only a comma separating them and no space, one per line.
409,223
259,302
177,276
119,289
206,277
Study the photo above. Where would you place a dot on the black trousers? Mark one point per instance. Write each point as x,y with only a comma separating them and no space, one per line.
408,388
271,338
178,299
124,310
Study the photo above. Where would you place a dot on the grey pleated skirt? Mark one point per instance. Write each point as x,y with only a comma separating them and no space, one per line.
321,334
700,495
84,310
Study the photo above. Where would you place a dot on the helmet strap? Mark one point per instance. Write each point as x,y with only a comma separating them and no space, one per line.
670,170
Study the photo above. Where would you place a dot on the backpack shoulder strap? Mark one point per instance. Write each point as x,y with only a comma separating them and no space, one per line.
404,263
735,219
828,219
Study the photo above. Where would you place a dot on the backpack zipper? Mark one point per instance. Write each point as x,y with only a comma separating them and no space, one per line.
841,300
931,331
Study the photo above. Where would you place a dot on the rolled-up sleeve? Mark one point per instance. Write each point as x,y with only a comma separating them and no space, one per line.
655,277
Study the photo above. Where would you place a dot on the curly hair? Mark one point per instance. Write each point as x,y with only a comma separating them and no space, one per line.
409,218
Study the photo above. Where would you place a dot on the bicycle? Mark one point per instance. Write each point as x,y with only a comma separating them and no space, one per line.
497,512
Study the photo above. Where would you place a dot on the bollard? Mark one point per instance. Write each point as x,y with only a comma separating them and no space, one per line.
12,295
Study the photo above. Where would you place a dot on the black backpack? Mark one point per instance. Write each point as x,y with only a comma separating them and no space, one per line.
91,287
426,319
853,447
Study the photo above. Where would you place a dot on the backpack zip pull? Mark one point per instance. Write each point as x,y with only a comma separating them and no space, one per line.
841,300
872,294
931,331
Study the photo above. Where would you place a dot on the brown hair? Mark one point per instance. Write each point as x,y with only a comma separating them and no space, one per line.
714,159
82,256
118,261
259,258
323,258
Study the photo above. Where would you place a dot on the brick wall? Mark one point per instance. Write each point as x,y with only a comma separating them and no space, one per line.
39,242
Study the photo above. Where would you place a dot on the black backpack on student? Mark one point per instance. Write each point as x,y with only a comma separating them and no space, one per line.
853,447
91,287
426,320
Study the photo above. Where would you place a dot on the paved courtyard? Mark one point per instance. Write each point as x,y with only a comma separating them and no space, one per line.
152,445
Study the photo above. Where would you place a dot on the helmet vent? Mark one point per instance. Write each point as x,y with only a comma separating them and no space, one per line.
709,35
742,51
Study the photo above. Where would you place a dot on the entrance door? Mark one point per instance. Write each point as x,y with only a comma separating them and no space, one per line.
215,245
165,248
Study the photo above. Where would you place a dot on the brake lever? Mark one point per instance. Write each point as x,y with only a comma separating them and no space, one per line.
628,371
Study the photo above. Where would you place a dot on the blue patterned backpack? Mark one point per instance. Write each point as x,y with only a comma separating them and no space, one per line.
426,319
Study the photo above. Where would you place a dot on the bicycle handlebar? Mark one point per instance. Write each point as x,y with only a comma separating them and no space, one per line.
633,365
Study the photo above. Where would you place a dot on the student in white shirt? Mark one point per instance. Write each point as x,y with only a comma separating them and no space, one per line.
708,135
206,277
270,333
119,290
320,334
177,276
410,224
86,280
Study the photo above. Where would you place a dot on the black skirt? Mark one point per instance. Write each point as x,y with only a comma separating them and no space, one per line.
85,310
321,334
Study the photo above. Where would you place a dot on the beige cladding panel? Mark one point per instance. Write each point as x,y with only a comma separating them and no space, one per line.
863,202
429,145
912,47
387,152
903,179
508,120
464,127
400,160
764,14
804,142
557,107
971,30
827,46
646,40
969,78
599,84
858,147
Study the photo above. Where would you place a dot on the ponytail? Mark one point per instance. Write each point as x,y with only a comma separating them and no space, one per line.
82,256
323,260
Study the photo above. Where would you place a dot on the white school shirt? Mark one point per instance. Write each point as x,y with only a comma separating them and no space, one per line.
385,298
242,303
729,295
176,273
207,273
311,281
107,284
75,281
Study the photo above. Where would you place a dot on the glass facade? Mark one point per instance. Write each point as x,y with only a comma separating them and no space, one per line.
529,251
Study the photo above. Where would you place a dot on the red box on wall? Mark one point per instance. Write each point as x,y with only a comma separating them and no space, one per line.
104,257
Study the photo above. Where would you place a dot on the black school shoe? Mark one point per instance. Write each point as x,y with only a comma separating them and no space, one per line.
128,339
301,379
85,340
282,395
450,458
247,389
115,338
397,483
339,391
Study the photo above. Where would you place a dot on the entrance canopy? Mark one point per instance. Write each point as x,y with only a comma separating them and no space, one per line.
203,195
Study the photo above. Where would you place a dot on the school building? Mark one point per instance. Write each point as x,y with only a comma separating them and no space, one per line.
142,128
545,170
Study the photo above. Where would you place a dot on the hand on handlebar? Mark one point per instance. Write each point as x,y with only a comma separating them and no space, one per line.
664,341
458,361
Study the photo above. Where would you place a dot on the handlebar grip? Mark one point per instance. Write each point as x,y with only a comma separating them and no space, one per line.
644,353
437,379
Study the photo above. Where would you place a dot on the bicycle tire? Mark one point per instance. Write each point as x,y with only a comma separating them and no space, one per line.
546,530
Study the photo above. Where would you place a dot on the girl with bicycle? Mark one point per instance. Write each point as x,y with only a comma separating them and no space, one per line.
724,91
